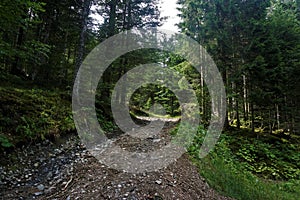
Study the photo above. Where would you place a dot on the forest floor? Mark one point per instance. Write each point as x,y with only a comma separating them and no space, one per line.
66,170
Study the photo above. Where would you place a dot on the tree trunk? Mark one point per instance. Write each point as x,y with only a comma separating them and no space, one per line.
105,91
86,7
252,117
112,17
15,68
226,122
124,63
277,117
245,101
238,123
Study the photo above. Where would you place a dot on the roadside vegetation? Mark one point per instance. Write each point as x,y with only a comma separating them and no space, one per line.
255,45
245,167
29,113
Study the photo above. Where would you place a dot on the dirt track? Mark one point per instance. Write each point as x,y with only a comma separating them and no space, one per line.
68,171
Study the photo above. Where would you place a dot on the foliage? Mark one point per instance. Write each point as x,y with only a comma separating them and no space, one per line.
267,157
31,113
145,97
255,45
5,142
227,168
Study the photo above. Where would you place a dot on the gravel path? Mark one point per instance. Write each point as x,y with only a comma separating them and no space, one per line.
66,170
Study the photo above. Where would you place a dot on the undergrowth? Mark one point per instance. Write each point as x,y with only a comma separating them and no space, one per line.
31,113
245,167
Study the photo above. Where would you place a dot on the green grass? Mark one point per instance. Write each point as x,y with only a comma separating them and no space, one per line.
231,180
231,175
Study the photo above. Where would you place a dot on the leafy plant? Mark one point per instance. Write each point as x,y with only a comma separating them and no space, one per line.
5,142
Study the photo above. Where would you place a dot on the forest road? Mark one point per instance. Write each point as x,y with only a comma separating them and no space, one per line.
66,170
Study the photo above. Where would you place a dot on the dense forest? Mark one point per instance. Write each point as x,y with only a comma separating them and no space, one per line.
255,45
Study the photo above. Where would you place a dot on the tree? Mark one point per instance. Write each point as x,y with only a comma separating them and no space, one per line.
85,12
255,45
121,15
18,45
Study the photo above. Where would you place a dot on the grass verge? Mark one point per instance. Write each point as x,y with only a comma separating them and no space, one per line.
227,171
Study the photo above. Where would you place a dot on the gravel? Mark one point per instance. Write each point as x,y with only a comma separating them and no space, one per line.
66,170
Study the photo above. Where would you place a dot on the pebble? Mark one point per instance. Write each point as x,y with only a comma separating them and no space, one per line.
49,175
38,193
41,187
49,167
40,166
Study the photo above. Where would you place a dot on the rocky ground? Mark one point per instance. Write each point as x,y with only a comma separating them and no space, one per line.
66,170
